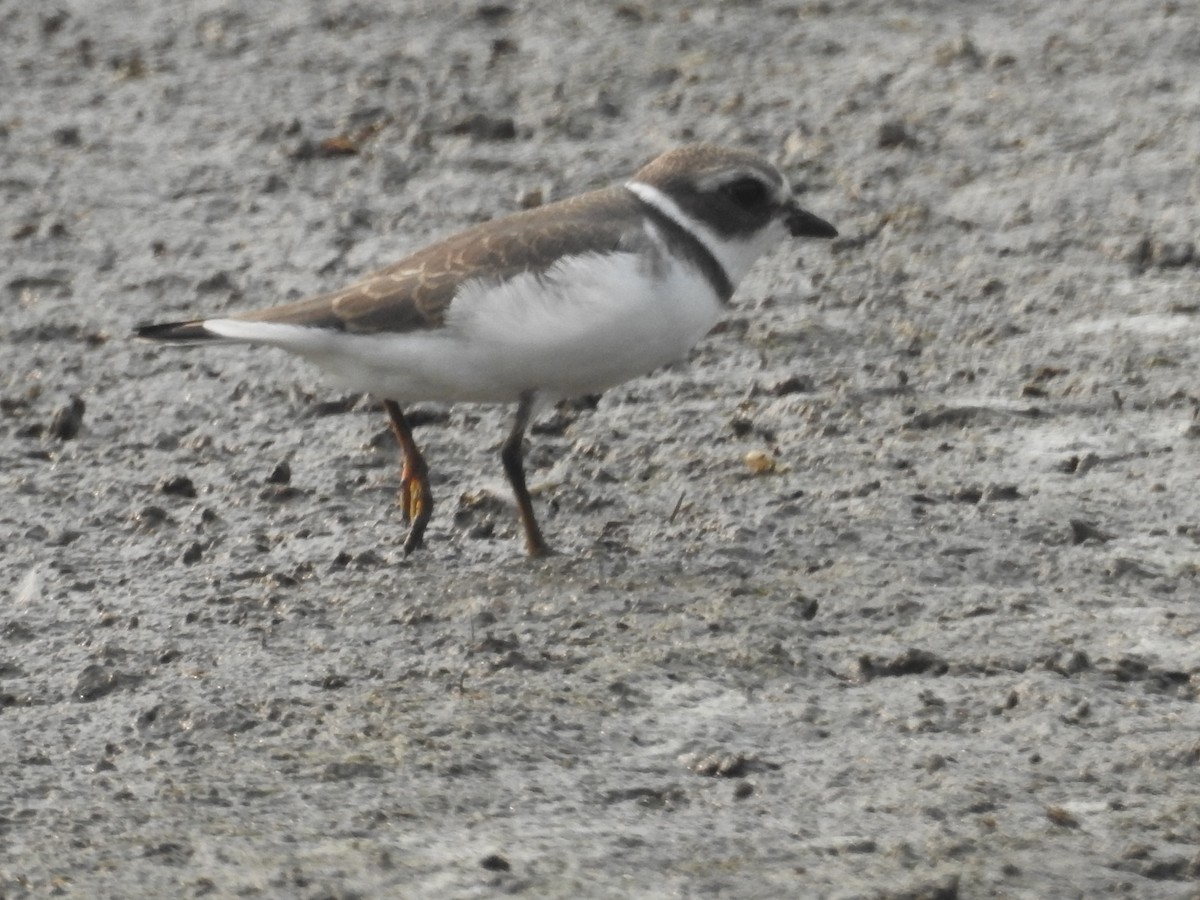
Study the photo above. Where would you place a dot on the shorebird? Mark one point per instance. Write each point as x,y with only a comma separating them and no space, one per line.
560,301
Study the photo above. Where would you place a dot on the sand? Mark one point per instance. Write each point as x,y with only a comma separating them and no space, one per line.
941,640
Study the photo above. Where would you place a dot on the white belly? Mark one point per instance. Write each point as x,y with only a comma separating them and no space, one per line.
585,325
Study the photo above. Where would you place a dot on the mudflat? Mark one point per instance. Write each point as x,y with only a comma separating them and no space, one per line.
891,591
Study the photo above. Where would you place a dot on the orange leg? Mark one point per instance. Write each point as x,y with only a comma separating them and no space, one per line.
416,498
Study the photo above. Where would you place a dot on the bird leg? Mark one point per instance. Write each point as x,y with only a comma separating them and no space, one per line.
416,497
512,456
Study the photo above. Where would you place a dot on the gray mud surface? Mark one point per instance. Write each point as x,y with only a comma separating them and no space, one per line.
945,642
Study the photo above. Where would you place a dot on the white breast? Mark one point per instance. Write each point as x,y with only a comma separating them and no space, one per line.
587,324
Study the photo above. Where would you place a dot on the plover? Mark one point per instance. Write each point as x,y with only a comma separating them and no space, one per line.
560,301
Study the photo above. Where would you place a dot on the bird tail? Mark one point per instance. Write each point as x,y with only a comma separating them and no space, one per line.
190,332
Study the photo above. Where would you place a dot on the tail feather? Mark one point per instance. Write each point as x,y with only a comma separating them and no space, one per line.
179,332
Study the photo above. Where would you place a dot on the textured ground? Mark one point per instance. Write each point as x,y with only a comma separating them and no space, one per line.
949,647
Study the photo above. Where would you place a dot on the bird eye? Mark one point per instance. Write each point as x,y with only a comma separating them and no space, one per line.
748,193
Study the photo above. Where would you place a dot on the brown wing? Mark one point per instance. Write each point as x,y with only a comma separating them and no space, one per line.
414,293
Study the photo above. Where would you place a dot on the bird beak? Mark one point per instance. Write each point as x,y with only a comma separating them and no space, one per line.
802,223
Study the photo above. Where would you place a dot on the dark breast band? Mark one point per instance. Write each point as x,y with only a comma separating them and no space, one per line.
683,243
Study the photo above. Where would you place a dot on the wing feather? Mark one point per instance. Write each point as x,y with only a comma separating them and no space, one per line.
414,293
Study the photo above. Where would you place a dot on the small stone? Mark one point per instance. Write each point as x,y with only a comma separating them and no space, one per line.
961,49
129,68
493,13
894,134
1068,662
177,486
484,127
150,517
1061,817
281,474
215,283
807,606
68,136
53,23
793,384
630,12
911,662
67,420
95,682
741,425
967,494
503,46
531,198
717,764
1082,531
494,862
760,463
995,492
1140,253
1079,465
